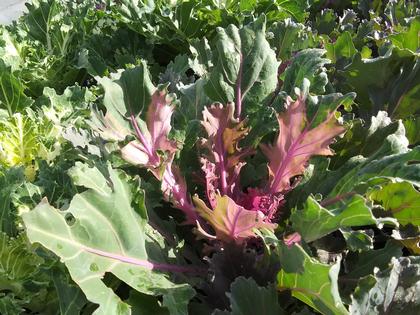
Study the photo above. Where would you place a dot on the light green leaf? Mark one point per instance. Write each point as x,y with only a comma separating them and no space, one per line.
343,47
315,221
101,232
409,39
19,140
401,199
17,263
315,284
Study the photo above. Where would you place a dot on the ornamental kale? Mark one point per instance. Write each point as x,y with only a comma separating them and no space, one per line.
210,157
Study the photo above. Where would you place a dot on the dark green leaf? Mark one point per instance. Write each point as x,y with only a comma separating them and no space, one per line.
247,298
245,67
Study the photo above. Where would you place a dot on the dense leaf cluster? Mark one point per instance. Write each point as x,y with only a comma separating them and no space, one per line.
210,157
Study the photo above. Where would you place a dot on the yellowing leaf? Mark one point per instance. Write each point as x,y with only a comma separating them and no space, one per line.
230,221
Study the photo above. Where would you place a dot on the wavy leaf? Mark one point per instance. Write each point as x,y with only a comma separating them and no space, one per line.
315,284
230,221
101,232
401,199
315,221
296,142
225,159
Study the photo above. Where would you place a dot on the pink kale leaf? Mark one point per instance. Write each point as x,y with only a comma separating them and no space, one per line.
152,147
297,141
224,159
230,221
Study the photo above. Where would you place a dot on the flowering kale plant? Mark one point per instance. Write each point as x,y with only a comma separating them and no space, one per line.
210,157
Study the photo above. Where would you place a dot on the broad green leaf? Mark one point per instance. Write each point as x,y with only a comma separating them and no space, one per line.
248,298
110,237
409,39
127,94
379,168
388,82
343,47
402,200
137,89
315,284
143,304
412,127
309,64
245,67
112,125
293,8
10,180
363,139
38,21
193,100
314,221
357,240
325,21
392,291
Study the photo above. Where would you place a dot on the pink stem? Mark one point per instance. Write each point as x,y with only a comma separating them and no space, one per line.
289,155
141,137
220,151
144,263
182,201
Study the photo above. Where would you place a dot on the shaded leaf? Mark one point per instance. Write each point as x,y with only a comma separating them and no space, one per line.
247,298
395,290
